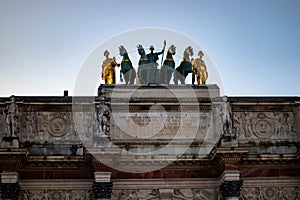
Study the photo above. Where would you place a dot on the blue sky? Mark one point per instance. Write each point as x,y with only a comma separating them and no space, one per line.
255,45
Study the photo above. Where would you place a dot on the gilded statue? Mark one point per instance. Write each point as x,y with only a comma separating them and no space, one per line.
108,69
199,69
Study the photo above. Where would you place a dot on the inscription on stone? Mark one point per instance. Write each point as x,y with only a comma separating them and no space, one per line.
165,125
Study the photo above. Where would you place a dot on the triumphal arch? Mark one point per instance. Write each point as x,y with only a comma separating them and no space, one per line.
150,141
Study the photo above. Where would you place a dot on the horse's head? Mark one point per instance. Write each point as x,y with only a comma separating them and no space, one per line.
140,49
189,51
172,50
122,50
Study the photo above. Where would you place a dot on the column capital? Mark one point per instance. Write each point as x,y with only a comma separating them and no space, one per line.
231,188
102,187
102,190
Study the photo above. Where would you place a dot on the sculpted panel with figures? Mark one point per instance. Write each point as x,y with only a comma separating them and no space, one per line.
265,125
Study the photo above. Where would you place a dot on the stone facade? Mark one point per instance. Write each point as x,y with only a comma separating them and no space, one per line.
150,142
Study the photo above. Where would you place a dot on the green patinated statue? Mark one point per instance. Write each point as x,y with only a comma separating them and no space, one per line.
185,66
127,69
168,67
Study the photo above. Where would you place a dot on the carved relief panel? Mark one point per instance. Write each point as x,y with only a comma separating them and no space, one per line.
135,194
270,193
46,126
56,194
264,125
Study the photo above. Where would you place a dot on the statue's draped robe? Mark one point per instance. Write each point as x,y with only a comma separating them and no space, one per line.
200,70
108,71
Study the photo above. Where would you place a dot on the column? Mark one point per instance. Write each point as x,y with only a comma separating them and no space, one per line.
230,190
230,180
10,188
102,187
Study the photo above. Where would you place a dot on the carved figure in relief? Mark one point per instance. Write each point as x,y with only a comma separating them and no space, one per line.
199,69
29,126
287,124
46,195
264,125
239,124
128,195
103,118
25,195
108,69
67,195
185,66
12,112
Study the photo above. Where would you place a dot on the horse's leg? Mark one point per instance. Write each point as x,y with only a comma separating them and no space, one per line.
132,76
175,78
129,76
126,77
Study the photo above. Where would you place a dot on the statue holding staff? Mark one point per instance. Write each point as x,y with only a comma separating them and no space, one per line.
153,57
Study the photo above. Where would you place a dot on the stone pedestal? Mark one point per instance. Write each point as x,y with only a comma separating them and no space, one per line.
10,142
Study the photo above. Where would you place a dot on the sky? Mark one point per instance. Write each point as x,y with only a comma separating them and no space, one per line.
254,45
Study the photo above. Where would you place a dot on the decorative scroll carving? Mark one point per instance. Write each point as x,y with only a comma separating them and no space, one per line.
270,193
266,125
195,194
56,194
136,194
